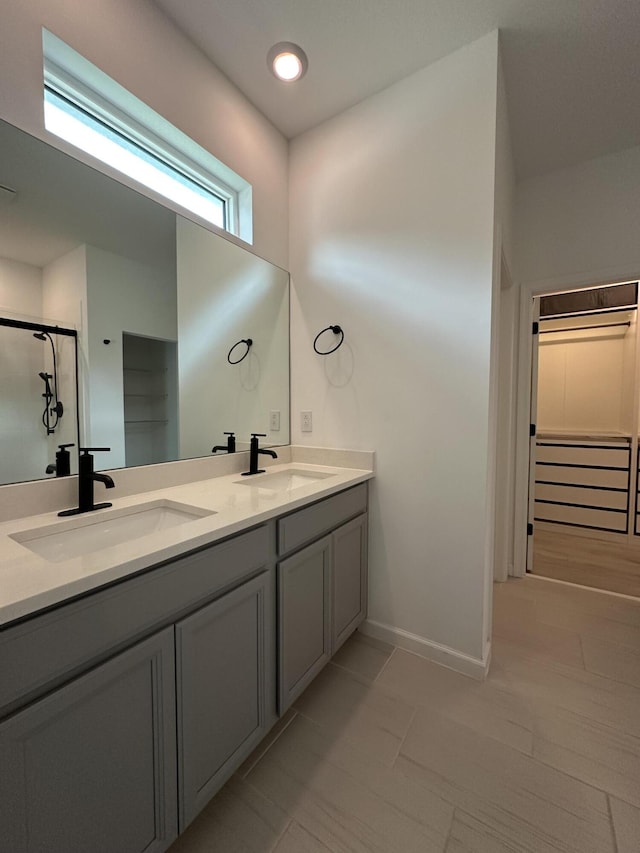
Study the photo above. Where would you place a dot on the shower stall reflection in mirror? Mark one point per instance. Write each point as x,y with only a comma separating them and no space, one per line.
38,398
585,419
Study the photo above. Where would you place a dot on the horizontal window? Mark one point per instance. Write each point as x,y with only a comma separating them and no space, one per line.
88,109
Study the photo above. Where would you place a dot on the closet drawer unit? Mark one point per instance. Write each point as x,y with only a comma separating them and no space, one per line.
572,495
566,476
601,456
312,522
45,650
594,519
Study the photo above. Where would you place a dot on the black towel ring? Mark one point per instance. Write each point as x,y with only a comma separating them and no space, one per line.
337,330
248,343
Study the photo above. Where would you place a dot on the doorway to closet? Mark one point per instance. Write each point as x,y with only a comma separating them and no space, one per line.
584,447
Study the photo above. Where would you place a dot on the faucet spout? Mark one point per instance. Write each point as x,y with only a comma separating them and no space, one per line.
104,478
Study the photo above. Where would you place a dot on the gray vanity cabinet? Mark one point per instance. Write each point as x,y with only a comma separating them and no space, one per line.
348,580
322,587
304,591
225,661
122,712
92,767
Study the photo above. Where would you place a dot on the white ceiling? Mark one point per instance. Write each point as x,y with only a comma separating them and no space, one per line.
572,66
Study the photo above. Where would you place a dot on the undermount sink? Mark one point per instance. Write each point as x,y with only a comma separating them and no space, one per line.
284,481
94,532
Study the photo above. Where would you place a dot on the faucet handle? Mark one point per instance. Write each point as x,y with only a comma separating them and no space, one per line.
228,433
94,449
258,435
64,446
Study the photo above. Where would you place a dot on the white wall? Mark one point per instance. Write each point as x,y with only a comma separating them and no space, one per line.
505,177
585,380
392,228
20,289
122,296
139,47
226,295
580,225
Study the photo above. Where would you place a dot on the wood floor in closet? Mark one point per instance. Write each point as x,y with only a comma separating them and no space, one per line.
388,753
613,566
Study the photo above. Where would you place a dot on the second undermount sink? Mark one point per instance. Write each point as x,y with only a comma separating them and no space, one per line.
284,481
93,532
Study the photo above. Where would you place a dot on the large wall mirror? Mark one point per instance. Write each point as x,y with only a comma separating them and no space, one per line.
157,303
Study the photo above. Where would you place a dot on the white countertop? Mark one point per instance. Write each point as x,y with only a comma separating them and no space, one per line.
29,583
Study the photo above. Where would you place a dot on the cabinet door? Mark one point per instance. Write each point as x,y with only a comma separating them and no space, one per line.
225,681
304,586
349,580
92,767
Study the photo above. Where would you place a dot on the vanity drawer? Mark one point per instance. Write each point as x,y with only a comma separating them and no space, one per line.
314,521
47,649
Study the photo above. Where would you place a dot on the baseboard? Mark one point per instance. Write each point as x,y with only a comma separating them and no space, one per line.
486,660
436,652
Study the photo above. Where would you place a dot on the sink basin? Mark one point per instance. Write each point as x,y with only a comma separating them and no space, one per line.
104,529
283,481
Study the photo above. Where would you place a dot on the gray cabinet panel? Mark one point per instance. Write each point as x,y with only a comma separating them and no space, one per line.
225,677
47,649
304,587
314,521
349,580
92,766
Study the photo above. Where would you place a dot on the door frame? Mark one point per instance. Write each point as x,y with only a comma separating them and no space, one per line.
580,281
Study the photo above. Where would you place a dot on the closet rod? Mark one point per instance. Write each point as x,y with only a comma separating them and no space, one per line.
584,328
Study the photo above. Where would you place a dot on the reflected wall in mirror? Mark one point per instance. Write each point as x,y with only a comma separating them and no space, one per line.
157,302
226,296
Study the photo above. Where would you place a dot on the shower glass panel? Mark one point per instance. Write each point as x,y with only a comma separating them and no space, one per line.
38,399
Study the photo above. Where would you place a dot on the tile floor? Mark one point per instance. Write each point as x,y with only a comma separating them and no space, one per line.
388,753
567,556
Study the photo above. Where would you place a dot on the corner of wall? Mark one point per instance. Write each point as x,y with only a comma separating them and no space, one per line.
477,668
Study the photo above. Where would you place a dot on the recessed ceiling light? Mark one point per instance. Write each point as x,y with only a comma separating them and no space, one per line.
287,61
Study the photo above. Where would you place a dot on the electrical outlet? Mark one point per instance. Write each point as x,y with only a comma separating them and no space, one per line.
274,421
306,421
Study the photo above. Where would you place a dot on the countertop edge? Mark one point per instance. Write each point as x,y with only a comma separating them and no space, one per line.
179,544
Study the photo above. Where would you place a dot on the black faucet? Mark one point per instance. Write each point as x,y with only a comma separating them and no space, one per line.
231,444
86,478
62,465
254,450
